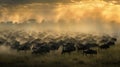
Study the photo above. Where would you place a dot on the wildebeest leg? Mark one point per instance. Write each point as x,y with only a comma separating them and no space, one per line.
92,55
18,51
25,51
84,54
77,50
98,49
69,53
62,53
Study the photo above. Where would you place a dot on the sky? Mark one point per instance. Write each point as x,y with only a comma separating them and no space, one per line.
85,14
20,2
23,10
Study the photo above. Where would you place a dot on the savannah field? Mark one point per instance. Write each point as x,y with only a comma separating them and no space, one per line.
104,58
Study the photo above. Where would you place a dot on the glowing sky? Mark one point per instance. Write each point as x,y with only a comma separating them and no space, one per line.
59,10
83,14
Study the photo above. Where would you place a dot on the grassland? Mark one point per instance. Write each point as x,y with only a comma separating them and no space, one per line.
104,58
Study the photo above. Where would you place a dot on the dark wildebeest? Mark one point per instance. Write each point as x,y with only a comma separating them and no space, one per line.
81,47
112,41
85,46
25,47
55,45
105,46
42,49
107,42
89,51
15,45
2,41
68,48
36,44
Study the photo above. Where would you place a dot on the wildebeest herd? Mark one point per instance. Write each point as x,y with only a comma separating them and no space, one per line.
43,42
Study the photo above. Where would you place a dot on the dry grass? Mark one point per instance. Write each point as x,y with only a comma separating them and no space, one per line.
104,58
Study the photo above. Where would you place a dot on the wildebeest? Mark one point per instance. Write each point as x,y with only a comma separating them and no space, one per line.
2,41
55,45
15,45
42,49
107,42
25,47
86,46
81,47
68,48
89,51
105,46
112,41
